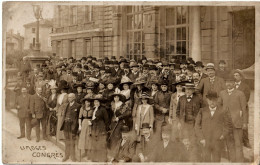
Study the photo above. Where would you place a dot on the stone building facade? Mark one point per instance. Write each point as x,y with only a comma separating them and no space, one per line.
207,33
14,42
45,30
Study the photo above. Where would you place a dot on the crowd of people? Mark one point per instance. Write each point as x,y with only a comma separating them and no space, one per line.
123,110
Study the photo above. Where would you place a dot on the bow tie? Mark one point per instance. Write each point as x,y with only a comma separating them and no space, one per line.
189,97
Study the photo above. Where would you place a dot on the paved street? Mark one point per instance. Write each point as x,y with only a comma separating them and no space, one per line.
22,150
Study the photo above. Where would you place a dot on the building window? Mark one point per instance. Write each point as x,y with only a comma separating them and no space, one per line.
135,34
87,48
73,15
177,29
59,16
33,42
33,30
88,13
72,49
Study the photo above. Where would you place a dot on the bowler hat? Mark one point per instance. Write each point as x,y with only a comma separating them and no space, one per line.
199,64
124,129
222,62
212,95
164,82
145,125
113,57
166,128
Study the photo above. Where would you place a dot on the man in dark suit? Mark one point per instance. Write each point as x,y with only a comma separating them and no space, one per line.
211,83
39,111
166,150
213,124
235,101
186,112
24,114
146,145
30,87
70,127
125,148
241,85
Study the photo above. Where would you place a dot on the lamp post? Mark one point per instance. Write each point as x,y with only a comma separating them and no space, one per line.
37,10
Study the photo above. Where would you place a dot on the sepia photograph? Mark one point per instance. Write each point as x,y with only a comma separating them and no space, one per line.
130,82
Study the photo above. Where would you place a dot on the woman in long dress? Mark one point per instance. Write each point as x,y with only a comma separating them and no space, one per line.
120,114
144,114
52,118
62,102
173,106
100,127
85,117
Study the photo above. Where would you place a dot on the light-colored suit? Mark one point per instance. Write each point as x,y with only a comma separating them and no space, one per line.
144,116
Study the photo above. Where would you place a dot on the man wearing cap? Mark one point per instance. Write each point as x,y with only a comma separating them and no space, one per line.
125,148
235,101
167,150
186,112
212,82
241,85
145,146
213,124
70,126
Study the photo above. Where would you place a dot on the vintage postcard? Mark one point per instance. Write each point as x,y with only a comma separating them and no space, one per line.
130,82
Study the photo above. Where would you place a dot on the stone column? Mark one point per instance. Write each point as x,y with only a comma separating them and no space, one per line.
195,30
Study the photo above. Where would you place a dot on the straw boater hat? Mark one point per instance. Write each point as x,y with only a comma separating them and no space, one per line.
121,96
210,66
189,86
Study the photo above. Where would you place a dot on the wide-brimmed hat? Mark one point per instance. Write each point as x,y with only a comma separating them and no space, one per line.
98,97
210,66
153,67
86,98
78,85
139,81
164,82
189,86
126,80
212,95
121,96
156,82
